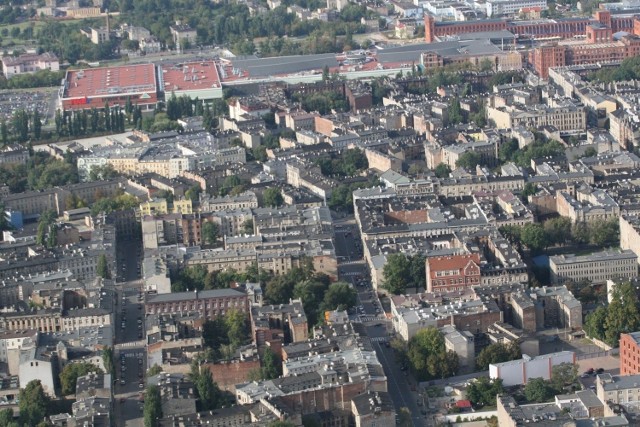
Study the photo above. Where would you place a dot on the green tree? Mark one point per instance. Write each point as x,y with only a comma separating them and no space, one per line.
193,193
534,237
455,112
339,296
563,375
237,327
70,374
427,355
469,160
397,273
483,391
497,353
154,370
4,132
108,361
622,313
594,324
272,197
404,418
604,233
558,230
247,226
209,394
102,269
271,365
507,151
538,390
210,232
33,403
442,170
6,418
152,406
417,271
37,124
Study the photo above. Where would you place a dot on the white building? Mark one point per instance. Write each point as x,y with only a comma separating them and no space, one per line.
519,372
512,7
597,267
29,63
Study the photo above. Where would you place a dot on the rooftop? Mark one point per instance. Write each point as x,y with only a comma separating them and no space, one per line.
190,76
94,82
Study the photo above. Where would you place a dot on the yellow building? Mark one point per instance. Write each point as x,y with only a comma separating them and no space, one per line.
160,206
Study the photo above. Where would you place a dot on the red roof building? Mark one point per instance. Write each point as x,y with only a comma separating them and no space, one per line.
452,273
93,87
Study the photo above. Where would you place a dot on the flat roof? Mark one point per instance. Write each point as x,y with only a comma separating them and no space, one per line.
96,82
190,76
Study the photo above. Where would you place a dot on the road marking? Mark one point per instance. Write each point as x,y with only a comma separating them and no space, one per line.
378,339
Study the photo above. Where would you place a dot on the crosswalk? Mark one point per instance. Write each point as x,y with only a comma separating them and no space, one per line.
371,318
378,339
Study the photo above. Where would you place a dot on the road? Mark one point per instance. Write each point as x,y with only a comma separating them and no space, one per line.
130,354
353,269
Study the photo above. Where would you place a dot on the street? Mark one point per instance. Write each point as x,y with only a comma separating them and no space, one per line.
130,351
353,269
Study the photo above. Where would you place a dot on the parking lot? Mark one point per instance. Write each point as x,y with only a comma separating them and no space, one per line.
607,364
28,100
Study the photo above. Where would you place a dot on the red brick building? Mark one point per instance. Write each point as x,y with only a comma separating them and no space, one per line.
630,353
564,28
452,273
209,304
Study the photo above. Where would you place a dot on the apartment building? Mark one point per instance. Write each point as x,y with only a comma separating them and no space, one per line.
451,273
567,118
630,353
630,233
618,389
209,304
597,267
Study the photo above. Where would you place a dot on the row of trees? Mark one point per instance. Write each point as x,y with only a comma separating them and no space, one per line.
47,230
41,78
561,231
622,315
341,199
403,271
497,353
541,147
348,163
80,123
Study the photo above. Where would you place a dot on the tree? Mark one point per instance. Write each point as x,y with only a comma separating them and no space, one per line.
210,232
442,170
563,375
497,353
428,356
154,370
534,237
6,418
102,269
33,404
4,132
455,112
272,197
469,160
594,324
339,296
604,233
404,418
396,272
558,230
507,150
271,365
483,391
70,374
152,406
622,313
37,124
193,193
417,271
210,396
107,360
538,390
247,226
237,327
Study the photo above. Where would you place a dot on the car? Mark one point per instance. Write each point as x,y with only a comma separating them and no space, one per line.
386,344
141,385
122,382
140,335
599,370
585,375
589,371
122,399
139,361
140,374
